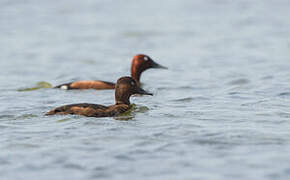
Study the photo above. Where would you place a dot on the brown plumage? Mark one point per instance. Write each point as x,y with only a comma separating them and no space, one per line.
99,85
125,87
140,63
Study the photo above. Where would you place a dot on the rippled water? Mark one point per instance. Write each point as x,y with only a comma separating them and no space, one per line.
221,111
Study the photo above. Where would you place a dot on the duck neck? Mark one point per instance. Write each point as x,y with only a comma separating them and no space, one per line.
122,98
136,73
127,102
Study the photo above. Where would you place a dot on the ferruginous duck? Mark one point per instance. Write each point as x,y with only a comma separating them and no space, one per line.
140,63
125,87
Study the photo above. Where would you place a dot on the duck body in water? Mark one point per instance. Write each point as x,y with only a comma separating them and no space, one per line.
125,87
140,63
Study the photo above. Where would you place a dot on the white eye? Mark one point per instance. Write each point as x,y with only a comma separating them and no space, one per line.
146,58
132,83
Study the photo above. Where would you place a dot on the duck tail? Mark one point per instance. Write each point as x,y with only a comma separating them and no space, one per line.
51,112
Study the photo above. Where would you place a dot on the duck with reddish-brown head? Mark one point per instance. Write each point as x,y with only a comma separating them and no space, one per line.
140,63
125,87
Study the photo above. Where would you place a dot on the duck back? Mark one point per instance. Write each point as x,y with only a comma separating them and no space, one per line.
90,110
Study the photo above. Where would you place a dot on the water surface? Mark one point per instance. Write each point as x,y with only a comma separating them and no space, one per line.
221,111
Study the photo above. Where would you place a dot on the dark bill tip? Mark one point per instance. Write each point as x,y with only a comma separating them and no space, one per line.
158,66
142,91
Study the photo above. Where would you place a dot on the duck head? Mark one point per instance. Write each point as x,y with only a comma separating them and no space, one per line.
142,62
125,87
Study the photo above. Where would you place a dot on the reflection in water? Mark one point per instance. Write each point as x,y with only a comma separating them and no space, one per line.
132,112
39,85
17,117
64,120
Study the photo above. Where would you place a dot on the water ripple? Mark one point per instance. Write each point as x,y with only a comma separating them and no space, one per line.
241,81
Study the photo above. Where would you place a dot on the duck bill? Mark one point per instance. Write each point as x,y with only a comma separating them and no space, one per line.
142,91
158,66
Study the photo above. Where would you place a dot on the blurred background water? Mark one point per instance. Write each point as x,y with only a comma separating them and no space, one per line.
221,111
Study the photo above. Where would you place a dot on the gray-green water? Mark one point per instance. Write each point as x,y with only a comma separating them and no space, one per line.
221,111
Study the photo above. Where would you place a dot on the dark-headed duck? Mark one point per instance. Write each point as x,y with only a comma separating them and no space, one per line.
140,63
125,87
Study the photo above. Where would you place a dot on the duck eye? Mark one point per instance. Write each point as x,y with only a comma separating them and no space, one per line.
146,58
